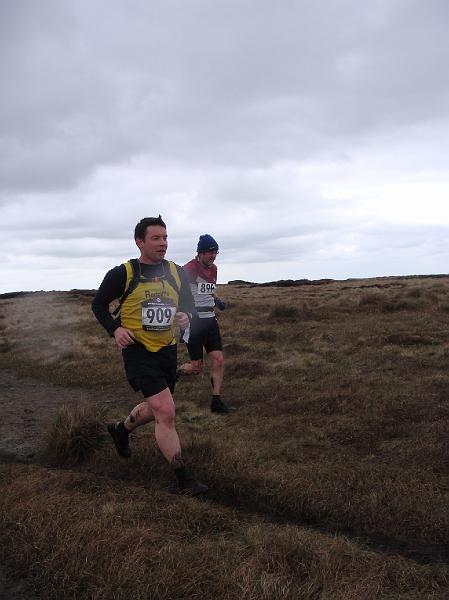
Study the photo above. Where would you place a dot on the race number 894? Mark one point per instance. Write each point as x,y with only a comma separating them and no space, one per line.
205,288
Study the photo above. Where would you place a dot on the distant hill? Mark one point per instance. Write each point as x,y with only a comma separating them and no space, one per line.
299,282
75,292
281,282
242,282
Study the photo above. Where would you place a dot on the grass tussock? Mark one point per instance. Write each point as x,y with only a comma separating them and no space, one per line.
283,312
74,435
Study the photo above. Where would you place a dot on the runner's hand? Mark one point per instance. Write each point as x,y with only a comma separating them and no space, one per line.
220,303
182,320
197,366
124,337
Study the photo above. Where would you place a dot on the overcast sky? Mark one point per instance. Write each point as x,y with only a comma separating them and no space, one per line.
309,137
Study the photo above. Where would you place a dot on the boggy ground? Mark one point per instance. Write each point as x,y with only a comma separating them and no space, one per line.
27,407
331,481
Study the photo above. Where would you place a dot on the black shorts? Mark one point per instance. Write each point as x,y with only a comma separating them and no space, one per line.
150,372
203,333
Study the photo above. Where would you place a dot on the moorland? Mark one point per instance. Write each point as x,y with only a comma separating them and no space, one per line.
331,481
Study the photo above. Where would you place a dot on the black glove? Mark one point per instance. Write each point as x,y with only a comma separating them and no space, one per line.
220,303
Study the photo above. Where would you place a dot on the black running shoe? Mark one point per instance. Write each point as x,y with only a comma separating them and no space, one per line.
218,406
120,437
189,487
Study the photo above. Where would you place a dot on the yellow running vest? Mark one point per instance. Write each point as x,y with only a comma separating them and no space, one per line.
149,310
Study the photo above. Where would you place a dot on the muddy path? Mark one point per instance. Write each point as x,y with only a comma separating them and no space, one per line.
27,405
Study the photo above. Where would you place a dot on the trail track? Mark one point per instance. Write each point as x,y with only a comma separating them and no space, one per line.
27,405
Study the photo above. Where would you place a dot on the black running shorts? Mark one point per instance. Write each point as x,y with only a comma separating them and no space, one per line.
150,372
204,333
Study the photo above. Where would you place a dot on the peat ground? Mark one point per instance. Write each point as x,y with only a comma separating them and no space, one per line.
344,389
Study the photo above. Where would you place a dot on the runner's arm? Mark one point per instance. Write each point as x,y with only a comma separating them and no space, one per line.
111,288
186,302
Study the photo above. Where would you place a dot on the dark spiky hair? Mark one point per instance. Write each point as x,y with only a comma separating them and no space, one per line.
141,227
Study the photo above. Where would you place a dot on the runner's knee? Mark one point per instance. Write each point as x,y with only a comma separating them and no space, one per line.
166,415
217,360
163,408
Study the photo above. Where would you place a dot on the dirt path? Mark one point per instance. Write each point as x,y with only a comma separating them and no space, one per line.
27,405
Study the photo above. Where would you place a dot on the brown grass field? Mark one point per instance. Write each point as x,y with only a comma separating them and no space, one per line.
331,481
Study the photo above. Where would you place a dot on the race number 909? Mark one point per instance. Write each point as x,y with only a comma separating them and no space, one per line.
161,316
157,317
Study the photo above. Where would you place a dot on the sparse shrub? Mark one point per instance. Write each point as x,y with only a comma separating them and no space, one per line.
265,335
371,299
5,346
283,312
381,302
409,340
415,292
249,368
74,435
397,304
234,348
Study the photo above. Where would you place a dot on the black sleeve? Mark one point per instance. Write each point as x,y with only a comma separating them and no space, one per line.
186,301
111,288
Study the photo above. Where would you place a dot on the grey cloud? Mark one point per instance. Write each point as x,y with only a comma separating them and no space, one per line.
265,124
234,83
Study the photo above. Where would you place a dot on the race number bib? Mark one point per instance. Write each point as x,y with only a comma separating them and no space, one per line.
157,316
205,288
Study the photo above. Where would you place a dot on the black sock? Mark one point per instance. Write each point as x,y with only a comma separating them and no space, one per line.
120,428
183,474
216,399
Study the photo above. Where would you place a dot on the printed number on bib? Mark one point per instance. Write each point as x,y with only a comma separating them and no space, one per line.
206,288
157,316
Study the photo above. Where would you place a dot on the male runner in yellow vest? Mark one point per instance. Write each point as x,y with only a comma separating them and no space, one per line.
155,298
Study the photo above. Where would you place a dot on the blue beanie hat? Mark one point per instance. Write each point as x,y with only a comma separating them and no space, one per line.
206,243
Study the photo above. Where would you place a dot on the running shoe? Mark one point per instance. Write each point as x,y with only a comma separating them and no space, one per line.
120,437
218,406
189,487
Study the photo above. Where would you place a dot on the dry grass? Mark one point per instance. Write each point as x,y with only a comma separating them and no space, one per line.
74,434
127,541
331,481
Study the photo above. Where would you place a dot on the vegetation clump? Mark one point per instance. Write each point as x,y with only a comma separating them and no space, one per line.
74,435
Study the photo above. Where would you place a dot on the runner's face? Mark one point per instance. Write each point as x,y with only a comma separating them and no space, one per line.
154,246
207,258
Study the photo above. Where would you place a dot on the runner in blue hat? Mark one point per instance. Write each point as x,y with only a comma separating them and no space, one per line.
204,330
